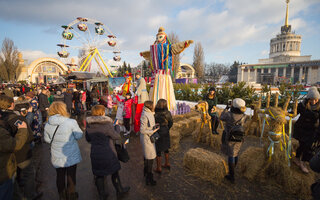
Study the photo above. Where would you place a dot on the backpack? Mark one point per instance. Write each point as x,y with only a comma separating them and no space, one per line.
237,131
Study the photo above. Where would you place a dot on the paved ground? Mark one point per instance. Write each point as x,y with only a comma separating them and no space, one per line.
171,185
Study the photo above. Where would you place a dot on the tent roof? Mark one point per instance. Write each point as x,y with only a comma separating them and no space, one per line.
80,75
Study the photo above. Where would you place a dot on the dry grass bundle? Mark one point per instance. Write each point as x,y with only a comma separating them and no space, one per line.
255,165
205,164
192,113
174,140
182,129
251,162
207,137
187,126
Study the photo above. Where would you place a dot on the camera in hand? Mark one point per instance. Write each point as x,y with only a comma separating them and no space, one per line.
17,123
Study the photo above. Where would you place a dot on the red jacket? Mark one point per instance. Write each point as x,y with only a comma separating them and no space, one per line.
127,109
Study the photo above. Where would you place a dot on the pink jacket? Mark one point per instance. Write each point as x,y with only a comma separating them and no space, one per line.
127,106
84,97
110,102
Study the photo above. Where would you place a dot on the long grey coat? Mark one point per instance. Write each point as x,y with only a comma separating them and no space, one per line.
230,148
142,92
149,148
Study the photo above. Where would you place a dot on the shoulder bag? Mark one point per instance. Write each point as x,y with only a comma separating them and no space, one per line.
155,136
54,135
122,153
237,131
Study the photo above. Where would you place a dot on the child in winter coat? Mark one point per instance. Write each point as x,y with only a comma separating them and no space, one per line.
127,111
109,104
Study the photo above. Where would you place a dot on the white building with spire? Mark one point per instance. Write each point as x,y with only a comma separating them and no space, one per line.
285,62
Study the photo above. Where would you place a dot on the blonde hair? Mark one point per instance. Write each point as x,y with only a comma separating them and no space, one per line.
58,107
98,110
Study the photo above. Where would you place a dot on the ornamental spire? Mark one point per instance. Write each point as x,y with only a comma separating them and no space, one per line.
287,14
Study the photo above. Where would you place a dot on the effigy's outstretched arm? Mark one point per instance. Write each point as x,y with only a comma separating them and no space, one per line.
179,47
145,55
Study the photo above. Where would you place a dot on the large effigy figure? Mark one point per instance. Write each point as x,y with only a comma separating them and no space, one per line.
161,57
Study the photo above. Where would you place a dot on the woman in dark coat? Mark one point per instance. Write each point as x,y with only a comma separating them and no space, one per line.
100,133
67,98
306,127
44,104
164,119
212,101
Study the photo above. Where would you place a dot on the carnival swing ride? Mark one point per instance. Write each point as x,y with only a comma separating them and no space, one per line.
93,38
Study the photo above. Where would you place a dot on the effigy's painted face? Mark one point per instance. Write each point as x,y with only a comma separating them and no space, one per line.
127,80
161,38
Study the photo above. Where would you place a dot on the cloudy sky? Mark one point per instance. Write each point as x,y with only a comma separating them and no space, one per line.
227,29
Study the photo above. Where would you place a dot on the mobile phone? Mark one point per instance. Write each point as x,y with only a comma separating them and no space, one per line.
18,122
156,126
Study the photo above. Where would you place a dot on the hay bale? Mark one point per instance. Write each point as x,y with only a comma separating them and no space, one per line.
251,162
216,142
291,178
174,140
187,127
255,165
177,118
205,164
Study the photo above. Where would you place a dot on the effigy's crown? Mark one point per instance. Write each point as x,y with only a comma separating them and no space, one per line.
161,31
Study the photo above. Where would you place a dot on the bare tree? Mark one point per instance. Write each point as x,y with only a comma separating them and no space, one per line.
82,56
198,61
216,70
173,38
9,60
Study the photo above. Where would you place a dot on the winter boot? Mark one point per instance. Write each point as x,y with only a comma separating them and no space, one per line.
166,164
73,196
150,180
117,185
230,176
100,187
145,168
158,169
63,195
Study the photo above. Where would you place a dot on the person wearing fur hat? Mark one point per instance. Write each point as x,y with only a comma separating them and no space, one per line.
232,136
307,127
58,96
212,101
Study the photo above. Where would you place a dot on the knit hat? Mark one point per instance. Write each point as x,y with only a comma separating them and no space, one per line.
313,93
238,103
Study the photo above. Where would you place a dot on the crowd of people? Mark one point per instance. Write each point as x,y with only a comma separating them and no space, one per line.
33,114
30,115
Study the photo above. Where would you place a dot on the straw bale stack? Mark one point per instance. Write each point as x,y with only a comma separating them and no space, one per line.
255,165
205,164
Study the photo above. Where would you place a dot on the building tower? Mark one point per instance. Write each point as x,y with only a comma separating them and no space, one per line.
286,44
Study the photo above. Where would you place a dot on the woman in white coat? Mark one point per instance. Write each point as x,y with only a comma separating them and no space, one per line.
147,128
62,133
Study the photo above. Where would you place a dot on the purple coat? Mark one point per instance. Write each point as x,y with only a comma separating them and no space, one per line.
100,133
